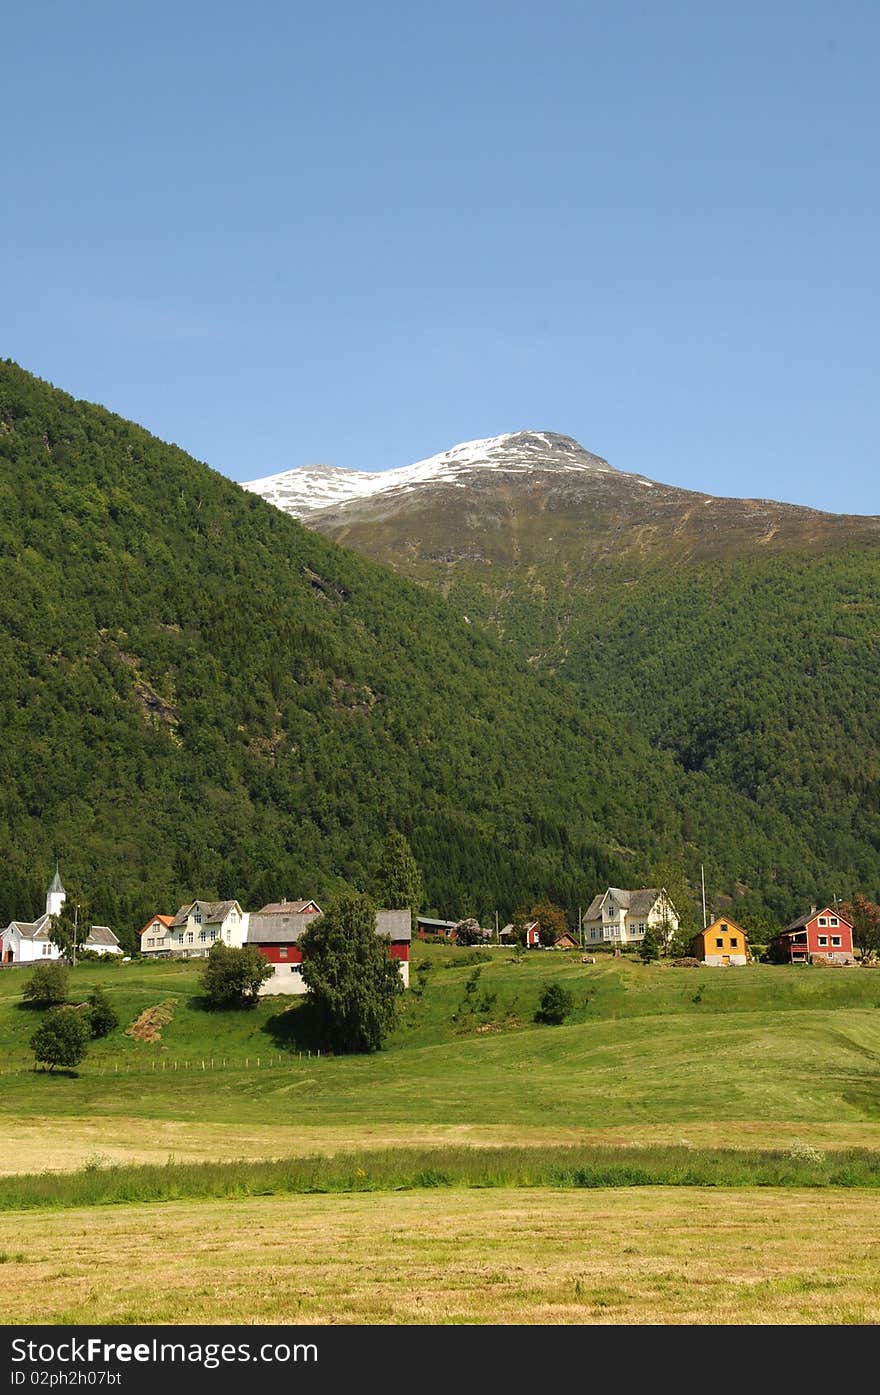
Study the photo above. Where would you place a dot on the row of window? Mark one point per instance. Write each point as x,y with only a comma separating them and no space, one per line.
828,920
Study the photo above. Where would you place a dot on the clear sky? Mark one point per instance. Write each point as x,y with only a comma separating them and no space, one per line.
360,231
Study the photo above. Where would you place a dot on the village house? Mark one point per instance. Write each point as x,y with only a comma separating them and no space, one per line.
24,942
193,930
618,916
819,935
531,936
276,936
565,941
721,943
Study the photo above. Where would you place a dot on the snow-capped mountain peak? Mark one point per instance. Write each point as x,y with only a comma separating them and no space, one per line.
313,487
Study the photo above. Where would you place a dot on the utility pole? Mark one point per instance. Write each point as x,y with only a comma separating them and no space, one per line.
75,923
580,928
703,885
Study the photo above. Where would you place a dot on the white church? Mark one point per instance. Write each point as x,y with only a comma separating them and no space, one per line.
24,942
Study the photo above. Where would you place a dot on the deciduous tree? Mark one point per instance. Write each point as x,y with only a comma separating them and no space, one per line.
351,979
61,1038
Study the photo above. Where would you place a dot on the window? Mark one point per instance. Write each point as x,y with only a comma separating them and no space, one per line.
733,942
203,934
641,929
835,939
823,920
723,928
823,939
212,934
197,917
719,944
283,951
834,920
190,937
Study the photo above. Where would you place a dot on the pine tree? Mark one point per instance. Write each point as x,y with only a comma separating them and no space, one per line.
396,882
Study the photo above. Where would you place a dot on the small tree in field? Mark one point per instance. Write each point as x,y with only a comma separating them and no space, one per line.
232,978
102,1018
556,1003
651,946
351,979
61,1039
47,985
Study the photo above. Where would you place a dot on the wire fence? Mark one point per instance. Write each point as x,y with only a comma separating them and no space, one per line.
164,1066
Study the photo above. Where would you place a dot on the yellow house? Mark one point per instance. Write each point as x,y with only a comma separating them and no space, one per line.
723,942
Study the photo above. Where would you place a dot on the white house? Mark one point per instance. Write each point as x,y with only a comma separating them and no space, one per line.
191,932
24,942
622,917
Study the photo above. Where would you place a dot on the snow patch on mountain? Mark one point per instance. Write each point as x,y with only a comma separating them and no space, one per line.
312,487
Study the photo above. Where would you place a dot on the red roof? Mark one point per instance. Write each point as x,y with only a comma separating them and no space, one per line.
165,919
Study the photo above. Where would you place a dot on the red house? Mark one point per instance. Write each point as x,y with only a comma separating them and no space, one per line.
275,934
427,926
821,934
533,934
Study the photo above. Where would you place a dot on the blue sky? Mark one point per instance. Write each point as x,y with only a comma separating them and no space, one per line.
359,233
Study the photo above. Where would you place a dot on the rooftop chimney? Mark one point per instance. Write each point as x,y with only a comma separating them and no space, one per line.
812,910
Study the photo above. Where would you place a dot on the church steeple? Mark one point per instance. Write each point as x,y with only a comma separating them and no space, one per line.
56,895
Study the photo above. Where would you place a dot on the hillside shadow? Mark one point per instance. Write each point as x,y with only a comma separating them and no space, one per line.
294,1028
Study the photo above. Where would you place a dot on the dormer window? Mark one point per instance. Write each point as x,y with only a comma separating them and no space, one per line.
197,917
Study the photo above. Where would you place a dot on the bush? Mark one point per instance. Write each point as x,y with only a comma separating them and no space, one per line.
102,1018
47,985
232,978
61,1038
556,1003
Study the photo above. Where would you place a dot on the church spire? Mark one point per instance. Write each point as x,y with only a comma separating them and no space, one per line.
56,895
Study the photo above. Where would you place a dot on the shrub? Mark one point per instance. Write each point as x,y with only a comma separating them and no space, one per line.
61,1038
47,985
232,978
556,1003
102,1018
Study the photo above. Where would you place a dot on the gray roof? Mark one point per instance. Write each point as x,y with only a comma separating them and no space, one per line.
101,935
31,930
56,882
638,902
427,920
39,930
396,924
212,911
275,929
289,908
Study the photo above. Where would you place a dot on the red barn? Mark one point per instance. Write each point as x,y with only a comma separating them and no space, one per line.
276,935
821,934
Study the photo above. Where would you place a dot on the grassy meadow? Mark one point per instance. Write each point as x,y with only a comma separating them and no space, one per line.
699,1109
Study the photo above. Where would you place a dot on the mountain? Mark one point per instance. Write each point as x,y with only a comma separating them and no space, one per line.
202,697
739,636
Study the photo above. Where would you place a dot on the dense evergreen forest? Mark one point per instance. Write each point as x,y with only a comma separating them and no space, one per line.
200,697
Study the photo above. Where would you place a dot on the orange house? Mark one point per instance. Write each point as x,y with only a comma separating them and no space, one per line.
721,943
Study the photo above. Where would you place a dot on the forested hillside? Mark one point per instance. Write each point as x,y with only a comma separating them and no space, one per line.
201,697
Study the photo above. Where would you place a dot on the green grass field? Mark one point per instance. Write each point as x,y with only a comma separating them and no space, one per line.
764,1064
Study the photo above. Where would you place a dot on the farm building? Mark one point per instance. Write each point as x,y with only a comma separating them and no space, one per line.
721,943
427,926
276,936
